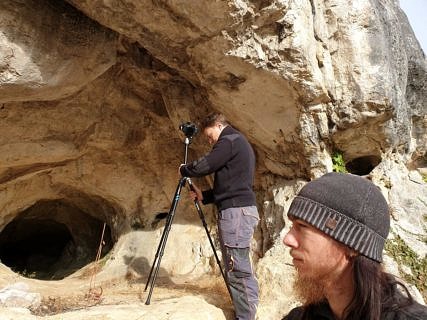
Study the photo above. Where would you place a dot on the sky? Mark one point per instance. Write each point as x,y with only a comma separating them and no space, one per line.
416,11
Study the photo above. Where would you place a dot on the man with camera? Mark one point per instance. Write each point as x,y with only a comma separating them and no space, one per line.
232,160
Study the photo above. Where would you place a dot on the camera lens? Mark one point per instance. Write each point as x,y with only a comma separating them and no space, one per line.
189,129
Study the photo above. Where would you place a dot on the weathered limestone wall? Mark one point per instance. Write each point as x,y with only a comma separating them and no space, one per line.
48,50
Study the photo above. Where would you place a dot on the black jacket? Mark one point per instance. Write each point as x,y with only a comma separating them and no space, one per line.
414,311
233,161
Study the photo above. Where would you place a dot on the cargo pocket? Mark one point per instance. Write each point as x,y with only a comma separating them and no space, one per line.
250,220
229,224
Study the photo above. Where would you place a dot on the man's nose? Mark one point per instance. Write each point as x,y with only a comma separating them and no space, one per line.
290,240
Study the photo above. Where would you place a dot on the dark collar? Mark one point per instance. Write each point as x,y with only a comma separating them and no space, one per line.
227,130
322,311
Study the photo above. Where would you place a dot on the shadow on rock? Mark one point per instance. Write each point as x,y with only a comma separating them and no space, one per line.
139,269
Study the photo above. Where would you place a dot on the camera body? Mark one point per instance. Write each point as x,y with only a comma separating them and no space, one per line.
189,129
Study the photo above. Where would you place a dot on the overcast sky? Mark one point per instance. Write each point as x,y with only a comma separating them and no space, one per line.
416,11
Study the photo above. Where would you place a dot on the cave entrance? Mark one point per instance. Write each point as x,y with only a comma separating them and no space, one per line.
51,240
363,165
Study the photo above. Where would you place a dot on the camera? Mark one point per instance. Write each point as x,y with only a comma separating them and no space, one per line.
189,129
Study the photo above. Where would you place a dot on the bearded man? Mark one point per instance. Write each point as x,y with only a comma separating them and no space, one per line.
340,224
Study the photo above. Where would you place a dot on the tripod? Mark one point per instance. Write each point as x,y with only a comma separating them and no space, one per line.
169,219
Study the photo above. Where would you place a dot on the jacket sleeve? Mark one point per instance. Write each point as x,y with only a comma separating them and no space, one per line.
218,157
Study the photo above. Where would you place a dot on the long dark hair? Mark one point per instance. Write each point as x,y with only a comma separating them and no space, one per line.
375,291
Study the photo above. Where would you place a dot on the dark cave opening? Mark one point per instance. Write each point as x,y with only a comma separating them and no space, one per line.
33,246
51,240
363,165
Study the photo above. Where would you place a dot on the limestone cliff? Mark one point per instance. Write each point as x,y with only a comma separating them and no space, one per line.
92,94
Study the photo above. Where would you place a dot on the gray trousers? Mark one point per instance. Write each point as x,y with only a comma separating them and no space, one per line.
236,227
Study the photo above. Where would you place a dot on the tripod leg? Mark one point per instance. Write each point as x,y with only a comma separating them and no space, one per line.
202,218
199,210
164,239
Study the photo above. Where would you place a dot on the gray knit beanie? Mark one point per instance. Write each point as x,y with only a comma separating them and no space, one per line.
349,208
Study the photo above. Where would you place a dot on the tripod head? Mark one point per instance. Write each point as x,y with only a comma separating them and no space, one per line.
190,130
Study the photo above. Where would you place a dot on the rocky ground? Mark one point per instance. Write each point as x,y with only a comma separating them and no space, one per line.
82,298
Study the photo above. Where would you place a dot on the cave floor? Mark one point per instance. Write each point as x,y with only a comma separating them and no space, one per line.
83,292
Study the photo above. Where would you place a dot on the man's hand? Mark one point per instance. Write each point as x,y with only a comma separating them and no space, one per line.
196,193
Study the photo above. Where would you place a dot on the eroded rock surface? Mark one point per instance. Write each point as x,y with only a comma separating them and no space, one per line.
50,50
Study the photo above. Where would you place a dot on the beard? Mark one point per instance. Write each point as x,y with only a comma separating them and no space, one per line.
309,290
